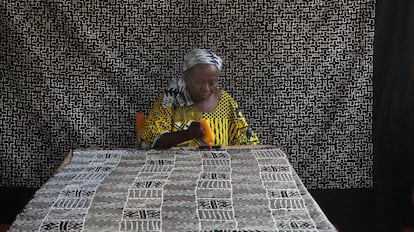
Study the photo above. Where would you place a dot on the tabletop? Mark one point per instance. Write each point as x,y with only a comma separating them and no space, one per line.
232,189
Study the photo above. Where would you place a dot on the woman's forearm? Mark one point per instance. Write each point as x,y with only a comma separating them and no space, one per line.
171,139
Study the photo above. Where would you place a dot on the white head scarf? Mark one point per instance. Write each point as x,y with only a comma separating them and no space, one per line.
201,56
176,93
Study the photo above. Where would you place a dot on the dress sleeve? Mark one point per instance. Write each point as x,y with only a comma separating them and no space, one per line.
240,133
158,122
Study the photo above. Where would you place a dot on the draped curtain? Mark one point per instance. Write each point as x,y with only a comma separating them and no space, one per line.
74,73
394,113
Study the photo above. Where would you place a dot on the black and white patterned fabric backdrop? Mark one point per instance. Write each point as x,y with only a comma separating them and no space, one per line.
73,74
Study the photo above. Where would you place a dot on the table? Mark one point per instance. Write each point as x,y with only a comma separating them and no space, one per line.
232,189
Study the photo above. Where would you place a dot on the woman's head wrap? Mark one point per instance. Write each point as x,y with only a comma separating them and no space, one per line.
201,56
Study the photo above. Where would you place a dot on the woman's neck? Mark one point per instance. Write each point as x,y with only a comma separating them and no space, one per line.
208,105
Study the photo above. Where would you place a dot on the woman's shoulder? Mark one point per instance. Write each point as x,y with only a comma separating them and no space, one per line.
160,98
159,103
225,95
226,98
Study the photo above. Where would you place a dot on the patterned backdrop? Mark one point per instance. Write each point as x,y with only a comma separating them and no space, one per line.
73,74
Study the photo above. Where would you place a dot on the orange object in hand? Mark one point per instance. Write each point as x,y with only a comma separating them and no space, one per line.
208,133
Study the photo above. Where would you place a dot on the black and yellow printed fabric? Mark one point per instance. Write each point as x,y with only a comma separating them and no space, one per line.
227,123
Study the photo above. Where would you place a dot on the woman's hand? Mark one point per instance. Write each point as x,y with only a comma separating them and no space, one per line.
195,131
171,139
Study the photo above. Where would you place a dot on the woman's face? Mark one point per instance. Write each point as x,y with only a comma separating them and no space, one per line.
202,81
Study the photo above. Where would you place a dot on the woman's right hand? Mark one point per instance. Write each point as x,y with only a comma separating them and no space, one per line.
195,130
171,139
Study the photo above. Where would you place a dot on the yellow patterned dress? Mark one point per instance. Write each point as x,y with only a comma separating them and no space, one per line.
226,121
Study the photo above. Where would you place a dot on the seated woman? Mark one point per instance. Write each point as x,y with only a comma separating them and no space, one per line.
173,120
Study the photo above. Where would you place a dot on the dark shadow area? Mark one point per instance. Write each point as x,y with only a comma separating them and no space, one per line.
350,210
12,201
393,114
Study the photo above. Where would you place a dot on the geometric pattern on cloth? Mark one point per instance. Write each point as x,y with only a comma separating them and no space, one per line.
74,73
76,197
142,212
287,197
174,190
